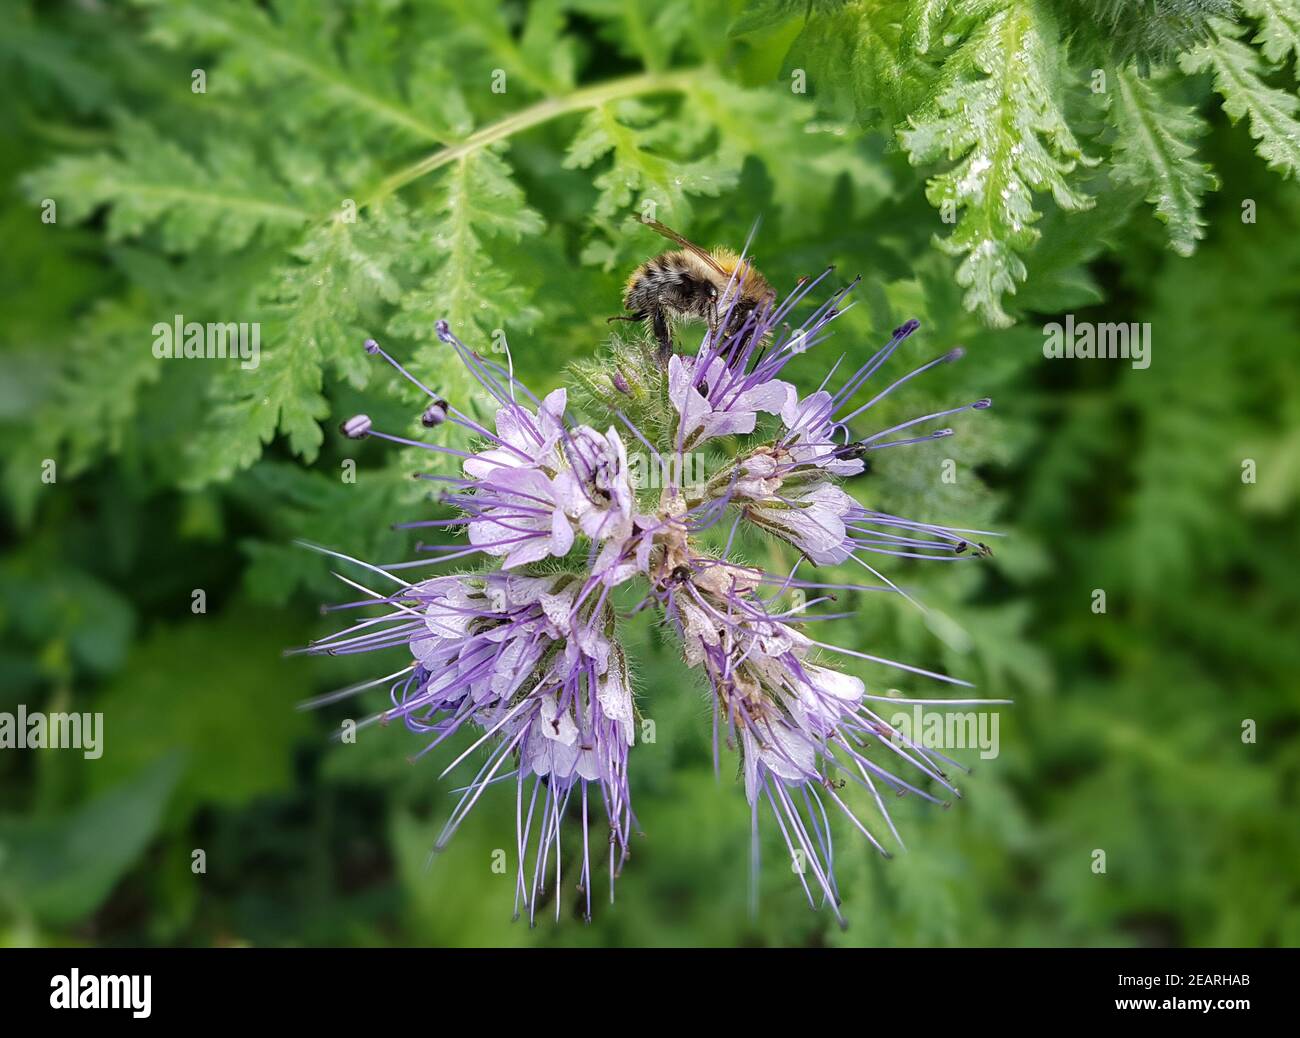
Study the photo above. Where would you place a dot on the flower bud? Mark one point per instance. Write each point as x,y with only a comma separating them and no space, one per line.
357,427
434,414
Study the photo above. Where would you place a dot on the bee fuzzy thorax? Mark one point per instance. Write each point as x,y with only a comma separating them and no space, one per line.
751,284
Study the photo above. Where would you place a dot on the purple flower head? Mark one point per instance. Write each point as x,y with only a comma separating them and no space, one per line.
525,660
709,405
523,663
804,729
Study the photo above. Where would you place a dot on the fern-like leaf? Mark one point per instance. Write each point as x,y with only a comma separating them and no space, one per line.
996,115
803,156
1152,152
91,408
223,201
1279,29
318,313
464,281
858,60
922,24
297,48
643,169
536,53
1239,73
1141,33
647,30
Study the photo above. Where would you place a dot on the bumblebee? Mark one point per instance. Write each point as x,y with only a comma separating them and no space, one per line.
690,283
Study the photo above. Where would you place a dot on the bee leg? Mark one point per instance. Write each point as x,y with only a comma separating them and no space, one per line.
621,317
659,325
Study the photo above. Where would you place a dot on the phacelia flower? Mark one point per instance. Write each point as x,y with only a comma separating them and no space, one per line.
526,656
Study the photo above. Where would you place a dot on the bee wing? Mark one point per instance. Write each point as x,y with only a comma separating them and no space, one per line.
673,236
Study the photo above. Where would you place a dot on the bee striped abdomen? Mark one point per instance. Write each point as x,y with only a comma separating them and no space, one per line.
669,281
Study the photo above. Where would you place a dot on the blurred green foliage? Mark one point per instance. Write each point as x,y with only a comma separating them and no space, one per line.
505,210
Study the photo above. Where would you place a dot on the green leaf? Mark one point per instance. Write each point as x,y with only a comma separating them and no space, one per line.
922,23
537,53
857,60
1139,33
802,155
1239,78
757,15
467,277
62,868
449,899
1279,30
643,174
153,182
53,57
332,298
996,116
92,407
1152,152
647,30
318,507
235,717
1061,276
66,620
282,394
320,312
296,47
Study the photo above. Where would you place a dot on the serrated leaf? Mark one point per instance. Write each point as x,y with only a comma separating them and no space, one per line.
222,201
54,59
318,507
319,313
297,47
1152,152
1239,74
537,53
466,277
757,15
1060,272
647,30
643,173
803,156
1279,29
857,61
922,23
330,300
283,394
996,115
92,406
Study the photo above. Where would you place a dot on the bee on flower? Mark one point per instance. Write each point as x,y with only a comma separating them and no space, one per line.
526,656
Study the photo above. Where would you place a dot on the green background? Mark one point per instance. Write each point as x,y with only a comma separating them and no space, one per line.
1127,731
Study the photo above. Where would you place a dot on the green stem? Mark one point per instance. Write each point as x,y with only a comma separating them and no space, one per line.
534,115
64,135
